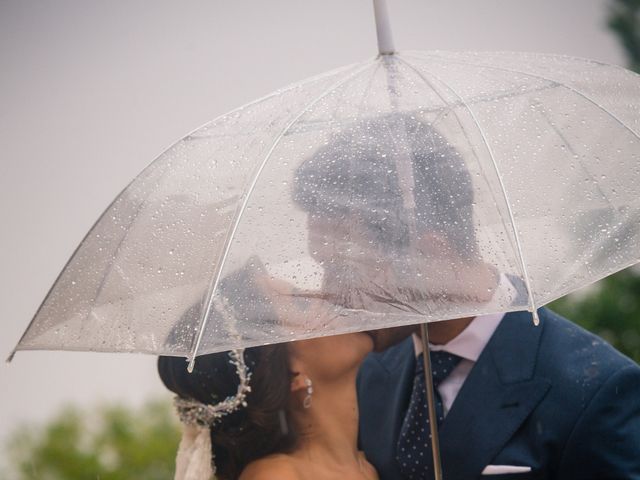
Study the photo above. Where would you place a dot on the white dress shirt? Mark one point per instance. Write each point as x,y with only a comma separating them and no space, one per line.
468,345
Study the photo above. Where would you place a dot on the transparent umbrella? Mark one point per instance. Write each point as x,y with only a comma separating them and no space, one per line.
390,192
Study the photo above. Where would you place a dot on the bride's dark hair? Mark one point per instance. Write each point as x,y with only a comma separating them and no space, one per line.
262,427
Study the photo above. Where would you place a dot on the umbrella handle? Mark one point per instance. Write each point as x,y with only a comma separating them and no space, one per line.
431,403
383,27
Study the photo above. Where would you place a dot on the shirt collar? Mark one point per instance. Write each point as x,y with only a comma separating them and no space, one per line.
472,340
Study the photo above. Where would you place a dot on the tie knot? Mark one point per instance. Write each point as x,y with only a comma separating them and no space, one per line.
442,363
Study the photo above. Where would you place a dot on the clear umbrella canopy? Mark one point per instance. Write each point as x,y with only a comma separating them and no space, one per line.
400,190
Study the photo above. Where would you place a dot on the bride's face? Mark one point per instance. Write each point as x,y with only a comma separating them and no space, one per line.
328,359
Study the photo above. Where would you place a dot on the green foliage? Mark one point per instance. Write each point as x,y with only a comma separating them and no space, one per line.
113,443
610,309
624,20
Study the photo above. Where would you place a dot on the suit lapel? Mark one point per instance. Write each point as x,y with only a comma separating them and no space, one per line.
496,398
386,405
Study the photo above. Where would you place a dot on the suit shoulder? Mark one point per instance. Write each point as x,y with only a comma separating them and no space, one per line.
566,344
273,467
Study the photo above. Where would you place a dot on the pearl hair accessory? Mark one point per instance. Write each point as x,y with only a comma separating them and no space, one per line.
306,403
193,412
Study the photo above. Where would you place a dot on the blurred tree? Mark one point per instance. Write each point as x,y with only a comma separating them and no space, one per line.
624,20
113,443
610,309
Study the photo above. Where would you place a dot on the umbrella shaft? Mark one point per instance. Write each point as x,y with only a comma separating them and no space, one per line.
383,27
431,404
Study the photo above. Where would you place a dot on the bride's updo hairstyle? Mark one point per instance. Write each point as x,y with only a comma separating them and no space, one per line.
261,428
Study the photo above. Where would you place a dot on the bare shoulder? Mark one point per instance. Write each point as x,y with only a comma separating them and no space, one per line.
273,467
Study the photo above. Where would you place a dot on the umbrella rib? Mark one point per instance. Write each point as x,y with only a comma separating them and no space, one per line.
566,142
268,96
247,196
422,56
523,266
145,169
449,107
438,54
365,95
547,79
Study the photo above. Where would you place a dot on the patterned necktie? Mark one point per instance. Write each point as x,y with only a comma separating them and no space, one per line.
413,451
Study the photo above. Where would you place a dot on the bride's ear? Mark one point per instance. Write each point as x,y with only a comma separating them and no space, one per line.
298,381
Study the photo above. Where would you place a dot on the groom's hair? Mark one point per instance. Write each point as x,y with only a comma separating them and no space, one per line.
356,178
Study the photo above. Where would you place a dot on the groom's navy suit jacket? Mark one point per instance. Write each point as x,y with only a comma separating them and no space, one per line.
554,397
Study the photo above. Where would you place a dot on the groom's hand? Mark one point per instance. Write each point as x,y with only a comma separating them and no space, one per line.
298,310
304,310
388,337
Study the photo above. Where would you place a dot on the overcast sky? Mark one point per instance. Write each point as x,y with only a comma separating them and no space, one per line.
92,91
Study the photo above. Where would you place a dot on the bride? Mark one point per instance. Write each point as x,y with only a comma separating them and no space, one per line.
286,411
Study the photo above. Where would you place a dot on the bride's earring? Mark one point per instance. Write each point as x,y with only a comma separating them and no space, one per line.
306,403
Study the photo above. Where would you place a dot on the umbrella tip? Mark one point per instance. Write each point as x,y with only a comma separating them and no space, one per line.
10,357
192,364
536,318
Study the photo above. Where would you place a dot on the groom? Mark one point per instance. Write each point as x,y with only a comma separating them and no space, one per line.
514,401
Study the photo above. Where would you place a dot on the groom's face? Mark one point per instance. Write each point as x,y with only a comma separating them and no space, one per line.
339,241
380,252
345,247
438,273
